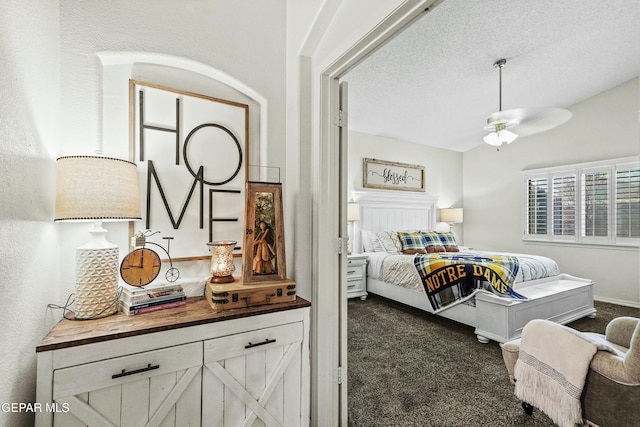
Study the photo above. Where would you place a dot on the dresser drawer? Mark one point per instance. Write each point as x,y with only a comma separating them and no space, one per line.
107,373
260,339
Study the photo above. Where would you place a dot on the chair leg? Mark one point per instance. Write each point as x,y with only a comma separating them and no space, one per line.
528,409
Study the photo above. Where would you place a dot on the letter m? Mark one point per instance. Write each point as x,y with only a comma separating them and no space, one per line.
199,178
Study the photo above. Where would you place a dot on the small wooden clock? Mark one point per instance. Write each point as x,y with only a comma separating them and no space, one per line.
140,267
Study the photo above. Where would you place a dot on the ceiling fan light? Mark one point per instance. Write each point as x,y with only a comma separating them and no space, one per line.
507,136
493,139
500,137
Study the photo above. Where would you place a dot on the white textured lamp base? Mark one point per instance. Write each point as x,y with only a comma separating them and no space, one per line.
96,282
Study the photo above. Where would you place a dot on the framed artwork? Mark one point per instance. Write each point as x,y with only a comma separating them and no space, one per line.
264,256
392,175
191,151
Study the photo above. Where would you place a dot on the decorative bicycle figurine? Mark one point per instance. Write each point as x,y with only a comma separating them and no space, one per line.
137,270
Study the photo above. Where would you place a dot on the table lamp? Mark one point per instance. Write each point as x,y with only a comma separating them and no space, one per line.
353,215
451,216
96,188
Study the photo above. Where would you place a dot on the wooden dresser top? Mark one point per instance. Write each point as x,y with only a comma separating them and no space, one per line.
197,311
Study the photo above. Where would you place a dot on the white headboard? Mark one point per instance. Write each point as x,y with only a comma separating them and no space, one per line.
393,211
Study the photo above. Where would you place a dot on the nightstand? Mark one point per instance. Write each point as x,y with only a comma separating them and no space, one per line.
357,276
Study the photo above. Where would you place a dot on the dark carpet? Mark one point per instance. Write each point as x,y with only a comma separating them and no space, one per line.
411,368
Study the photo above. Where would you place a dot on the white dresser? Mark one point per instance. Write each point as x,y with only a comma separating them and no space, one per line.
187,366
357,276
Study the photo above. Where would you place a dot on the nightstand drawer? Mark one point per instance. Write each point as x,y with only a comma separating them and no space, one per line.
355,272
355,285
356,262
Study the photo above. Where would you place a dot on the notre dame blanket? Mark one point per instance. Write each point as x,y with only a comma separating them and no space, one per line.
450,278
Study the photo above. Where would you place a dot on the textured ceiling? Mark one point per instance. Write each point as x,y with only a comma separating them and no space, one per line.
435,83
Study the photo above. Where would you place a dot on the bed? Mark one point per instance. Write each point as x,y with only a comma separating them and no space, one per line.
547,292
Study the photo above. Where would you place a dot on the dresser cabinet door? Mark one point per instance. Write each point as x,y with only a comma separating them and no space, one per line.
253,379
155,388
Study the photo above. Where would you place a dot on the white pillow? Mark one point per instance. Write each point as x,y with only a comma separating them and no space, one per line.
370,242
390,241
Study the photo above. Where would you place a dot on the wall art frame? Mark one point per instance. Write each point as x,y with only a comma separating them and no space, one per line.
264,255
387,175
192,154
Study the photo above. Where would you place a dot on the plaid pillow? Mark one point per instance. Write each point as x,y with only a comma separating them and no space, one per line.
431,241
449,242
411,242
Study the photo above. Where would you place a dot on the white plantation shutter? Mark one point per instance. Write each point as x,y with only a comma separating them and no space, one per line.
595,203
627,195
564,205
537,205
588,203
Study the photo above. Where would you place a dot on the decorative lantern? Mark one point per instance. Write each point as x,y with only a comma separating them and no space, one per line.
222,267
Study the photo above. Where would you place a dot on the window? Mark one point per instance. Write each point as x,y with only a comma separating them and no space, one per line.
590,203
627,202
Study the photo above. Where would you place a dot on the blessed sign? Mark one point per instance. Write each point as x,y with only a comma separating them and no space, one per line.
393,175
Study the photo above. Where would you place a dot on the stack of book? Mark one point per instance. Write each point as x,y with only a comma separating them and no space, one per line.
134,301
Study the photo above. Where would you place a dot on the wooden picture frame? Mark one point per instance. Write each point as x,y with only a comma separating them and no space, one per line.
264,256
392,175
191,152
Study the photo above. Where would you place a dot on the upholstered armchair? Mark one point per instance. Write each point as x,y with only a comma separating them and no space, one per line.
611,392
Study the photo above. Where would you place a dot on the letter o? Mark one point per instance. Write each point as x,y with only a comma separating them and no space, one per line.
186,158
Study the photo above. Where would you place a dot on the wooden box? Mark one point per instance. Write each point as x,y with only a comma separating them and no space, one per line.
225,296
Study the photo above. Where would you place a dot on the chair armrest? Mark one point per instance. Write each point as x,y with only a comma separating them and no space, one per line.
620,330
510,351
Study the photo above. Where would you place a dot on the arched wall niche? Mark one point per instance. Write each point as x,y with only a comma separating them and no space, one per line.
177,73
118,68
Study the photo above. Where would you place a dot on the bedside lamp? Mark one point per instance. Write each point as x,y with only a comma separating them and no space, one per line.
451,216
95,188
353,214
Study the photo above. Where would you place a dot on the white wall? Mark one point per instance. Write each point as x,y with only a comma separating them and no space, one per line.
443,168
29,132
52,105
244,40
602,127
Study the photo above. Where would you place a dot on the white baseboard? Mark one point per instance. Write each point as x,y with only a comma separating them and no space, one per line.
617,301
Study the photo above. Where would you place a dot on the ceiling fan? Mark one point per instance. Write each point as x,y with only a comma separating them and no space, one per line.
521,121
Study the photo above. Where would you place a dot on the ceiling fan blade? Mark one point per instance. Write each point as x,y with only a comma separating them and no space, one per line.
536,120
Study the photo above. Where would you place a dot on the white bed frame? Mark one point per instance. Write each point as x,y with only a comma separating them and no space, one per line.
561,298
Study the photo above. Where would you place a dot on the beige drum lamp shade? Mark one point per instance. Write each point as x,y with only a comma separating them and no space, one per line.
353,212
451,215
96,188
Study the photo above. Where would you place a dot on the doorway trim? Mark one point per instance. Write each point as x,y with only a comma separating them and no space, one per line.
328,212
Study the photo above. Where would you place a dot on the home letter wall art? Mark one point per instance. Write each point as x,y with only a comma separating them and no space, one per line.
192,152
